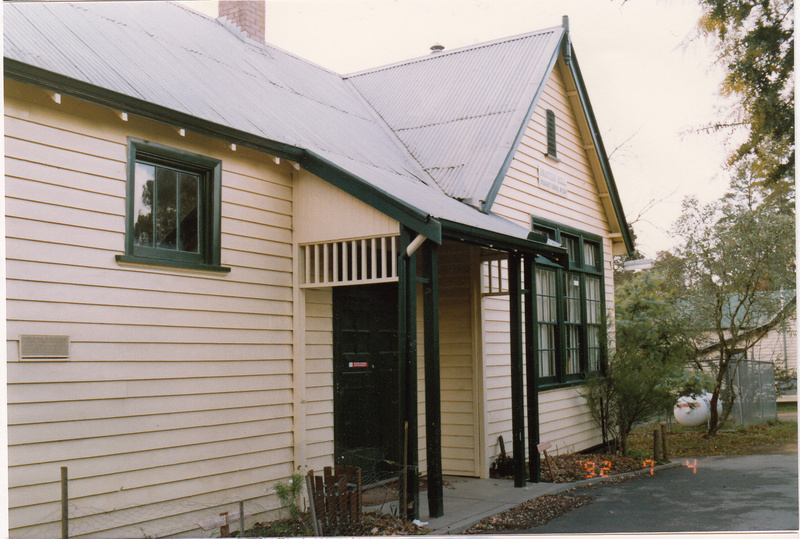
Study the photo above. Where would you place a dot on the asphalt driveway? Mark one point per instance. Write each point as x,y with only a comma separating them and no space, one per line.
719,494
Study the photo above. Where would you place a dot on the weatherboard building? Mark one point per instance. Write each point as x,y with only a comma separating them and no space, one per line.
226,263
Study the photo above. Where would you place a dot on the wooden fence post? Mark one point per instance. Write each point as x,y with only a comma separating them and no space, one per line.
656,444
64,504
225,529
241,518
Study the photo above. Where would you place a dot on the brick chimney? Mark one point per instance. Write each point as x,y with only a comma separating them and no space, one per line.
249,16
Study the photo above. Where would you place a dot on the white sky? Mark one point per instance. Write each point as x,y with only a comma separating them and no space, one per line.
649,82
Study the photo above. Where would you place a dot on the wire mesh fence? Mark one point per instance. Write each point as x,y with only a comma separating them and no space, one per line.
199,519
756,400
751,385
215,514
385,480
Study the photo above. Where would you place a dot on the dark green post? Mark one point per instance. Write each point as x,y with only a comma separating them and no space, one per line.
532,366
407,372
517,374
433,405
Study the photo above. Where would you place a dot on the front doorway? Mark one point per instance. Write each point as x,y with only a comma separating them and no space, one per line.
365,378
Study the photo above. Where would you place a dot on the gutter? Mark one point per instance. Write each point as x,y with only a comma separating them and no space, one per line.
495,240
84,91
414,218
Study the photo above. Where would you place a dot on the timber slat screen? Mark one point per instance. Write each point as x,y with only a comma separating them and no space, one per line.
337,497
355,261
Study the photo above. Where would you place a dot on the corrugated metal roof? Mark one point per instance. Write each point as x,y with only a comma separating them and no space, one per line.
456,119
459,112
170,56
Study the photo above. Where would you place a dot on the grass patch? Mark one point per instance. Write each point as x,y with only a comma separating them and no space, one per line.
787,406
692,442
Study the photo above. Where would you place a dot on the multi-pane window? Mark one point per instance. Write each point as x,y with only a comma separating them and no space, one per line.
594,322
173,206
572,322
570,306
547,322
166,208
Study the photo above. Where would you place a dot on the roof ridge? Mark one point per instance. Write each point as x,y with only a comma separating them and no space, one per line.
430,181
225,23
451,52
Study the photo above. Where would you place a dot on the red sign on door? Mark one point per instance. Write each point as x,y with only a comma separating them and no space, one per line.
357,364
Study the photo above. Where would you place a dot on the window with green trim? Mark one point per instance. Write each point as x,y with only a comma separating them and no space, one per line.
547,322
173,207
570,304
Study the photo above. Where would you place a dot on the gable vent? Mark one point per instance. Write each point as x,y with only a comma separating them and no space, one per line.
43,346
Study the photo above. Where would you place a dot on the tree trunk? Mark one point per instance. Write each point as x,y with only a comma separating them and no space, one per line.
727,408
713,422
623,440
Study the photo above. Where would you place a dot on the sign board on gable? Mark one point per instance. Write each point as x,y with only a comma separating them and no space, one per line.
552,180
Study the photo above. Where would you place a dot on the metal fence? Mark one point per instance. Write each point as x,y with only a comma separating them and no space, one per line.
754,386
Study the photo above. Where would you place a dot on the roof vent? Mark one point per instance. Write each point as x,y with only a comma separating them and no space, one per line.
437,48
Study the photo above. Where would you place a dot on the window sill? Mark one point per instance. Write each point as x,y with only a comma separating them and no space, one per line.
562,385
553,157
128,260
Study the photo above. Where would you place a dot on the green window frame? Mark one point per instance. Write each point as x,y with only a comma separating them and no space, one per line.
173,208
547,326
575,336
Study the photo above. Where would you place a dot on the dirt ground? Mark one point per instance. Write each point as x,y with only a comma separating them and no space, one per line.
575,466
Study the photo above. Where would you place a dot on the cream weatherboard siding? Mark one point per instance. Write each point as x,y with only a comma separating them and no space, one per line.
318,451
458,356
186,391
324,213
167,368
778,346
564,418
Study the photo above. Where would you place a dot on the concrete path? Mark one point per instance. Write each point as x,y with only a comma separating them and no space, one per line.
721,494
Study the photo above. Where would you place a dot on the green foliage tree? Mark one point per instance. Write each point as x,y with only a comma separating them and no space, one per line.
755,43
734,259
646,365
